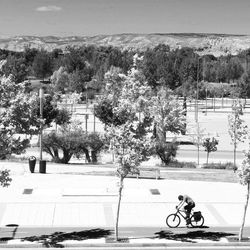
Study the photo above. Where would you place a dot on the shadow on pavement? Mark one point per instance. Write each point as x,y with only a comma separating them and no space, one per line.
13,229
191,236
53,240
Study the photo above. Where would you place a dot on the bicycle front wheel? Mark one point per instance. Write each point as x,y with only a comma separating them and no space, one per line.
195,223
173,220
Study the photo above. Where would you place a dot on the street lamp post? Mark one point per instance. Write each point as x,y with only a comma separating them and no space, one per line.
42,164
197,114
41,95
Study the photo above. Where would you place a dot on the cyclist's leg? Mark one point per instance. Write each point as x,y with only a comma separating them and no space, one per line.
188,209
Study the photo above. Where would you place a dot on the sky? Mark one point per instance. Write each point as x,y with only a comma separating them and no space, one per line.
95,17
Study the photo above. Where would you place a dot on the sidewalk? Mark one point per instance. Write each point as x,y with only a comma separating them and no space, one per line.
64,197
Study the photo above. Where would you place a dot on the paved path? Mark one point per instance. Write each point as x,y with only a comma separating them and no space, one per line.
65,197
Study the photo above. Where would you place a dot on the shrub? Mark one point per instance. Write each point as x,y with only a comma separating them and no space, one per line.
227,165
5,178
72,143
166,151
177,164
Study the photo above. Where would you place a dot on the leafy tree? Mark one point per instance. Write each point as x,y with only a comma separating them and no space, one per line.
168,116
74,60
10,145
166,150
105,112
244,85
235,69
17,117
244,177
105,109
79,78
210,68
9,89
129,153
20,115
198,135
158,66
50,110
60,80
63,117
16,67
42,65
29,54
210,145
95,143
237,129
221,72
128,97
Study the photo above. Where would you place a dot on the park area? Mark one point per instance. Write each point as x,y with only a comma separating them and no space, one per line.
213,122
53,201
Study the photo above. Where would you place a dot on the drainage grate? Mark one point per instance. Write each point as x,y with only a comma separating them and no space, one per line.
154,191
27,191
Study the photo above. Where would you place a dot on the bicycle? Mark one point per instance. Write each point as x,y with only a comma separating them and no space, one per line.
174,220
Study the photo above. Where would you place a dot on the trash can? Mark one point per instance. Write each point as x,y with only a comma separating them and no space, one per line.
42,167
32,163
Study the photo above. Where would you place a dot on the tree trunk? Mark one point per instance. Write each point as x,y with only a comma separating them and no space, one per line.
87,155
198,153
118,208
93,156
245,211
66,156
207,157
183,132
235,145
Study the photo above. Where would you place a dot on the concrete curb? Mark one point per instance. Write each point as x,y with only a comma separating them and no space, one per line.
129,245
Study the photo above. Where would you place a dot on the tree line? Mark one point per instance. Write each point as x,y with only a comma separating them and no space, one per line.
82,69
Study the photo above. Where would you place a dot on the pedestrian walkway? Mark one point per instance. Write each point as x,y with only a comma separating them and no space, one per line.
66,197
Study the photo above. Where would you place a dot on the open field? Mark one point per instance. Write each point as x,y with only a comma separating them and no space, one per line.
212,119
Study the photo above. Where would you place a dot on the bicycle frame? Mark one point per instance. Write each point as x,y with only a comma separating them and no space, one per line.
173,220
182,213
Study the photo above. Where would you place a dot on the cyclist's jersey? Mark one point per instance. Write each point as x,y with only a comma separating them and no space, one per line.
187,199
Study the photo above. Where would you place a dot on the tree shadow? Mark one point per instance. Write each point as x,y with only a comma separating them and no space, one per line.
191,236
53,240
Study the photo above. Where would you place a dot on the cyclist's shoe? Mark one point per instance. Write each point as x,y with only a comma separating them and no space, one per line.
188,221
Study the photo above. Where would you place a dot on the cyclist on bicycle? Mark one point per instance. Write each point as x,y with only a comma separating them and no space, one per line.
185,199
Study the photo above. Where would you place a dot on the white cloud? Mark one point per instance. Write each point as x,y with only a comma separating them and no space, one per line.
48,8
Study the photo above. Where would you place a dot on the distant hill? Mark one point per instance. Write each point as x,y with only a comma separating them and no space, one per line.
216,44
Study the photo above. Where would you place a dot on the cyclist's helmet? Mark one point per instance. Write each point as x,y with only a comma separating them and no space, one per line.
180,197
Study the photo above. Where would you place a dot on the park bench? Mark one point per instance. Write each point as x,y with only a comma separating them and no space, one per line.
155,170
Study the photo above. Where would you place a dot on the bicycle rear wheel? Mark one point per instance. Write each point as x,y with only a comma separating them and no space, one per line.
195,223
173,220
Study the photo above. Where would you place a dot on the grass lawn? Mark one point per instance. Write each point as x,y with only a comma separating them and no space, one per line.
211,175
194,174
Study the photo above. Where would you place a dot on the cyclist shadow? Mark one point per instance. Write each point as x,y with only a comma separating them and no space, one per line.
192,236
